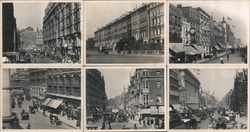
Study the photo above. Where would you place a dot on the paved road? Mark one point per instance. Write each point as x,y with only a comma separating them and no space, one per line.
37,120
128,58
42,60
233,58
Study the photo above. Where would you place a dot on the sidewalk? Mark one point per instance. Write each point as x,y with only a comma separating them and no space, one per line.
71,123
242,120
203,60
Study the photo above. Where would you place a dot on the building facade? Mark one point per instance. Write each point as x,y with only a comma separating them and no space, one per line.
38,83
9,34
95,92
62,31
145,94
145,24
28,39
175,24
174,97
192,88
64,89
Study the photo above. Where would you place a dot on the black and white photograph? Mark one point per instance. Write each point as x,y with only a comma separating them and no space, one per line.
208,32
208,99
125,98
41,98
41,32
124,32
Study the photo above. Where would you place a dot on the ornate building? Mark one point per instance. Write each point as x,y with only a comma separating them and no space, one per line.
145,95
64,89
61,30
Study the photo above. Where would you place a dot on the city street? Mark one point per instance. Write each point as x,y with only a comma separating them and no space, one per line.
233,58
37,120
94,57
42,60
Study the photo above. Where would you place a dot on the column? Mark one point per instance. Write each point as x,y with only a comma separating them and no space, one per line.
6,113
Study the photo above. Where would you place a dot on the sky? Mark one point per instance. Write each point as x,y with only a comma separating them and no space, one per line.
29,14
238,11
217,81
116,80
100,14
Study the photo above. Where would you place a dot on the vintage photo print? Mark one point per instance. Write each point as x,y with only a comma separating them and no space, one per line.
132,101
41,98
41,32
208,32
208,98
124,32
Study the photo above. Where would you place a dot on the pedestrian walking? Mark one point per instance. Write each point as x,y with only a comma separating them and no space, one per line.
44,112
109,125
221,60
144,122
135,127
227,57
28,127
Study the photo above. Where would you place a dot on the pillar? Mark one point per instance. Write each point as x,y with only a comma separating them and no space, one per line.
6,113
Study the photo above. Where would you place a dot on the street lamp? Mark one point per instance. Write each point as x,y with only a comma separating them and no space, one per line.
157,106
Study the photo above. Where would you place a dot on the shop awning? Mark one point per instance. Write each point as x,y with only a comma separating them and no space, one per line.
51,102
46,101
201,50
176,47
56,103
189,49
216,47
144,111
221,45
155,111
229,46
177,106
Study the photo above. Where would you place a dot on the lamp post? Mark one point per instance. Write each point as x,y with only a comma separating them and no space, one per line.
157,106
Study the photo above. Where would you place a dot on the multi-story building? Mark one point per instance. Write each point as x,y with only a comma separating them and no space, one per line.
140,24
174,97
111,33
64,90
9,34
145,95
192,88
186,37
145,24
95,92
175,24
28,39
38,83
156,17
39,40
204,29
193,17
240,92
18,81
61,30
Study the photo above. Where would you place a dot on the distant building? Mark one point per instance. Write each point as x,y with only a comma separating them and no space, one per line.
145,95
95,92
9,34
18,81
61,30
38,83
28,39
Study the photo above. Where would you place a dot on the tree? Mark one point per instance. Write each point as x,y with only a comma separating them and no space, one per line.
90,42
125,40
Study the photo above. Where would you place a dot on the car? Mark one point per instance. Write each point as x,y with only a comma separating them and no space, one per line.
24,115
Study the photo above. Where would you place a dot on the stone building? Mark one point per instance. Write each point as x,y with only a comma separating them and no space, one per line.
145,94
64,90
95,92
174,87
38,83
62,32
192,88
175,24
